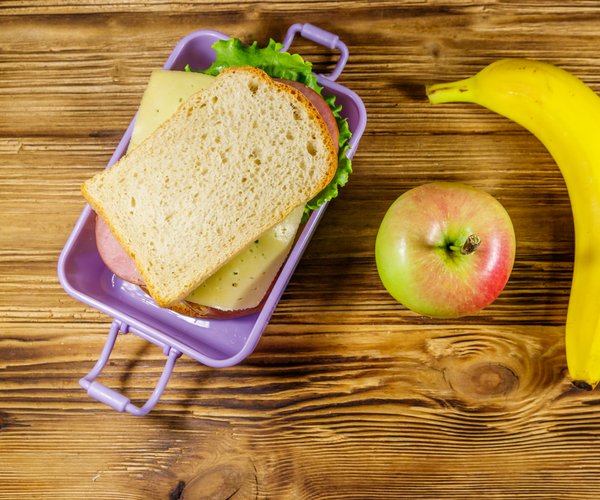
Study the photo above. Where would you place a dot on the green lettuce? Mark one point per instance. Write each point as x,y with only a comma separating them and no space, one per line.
278,64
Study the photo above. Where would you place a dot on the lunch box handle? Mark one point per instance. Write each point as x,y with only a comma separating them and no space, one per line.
115,399
322,37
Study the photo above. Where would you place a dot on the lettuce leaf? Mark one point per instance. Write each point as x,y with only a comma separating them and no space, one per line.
270,59
278,64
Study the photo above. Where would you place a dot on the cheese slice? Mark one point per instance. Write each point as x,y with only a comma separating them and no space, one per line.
244,280
165,92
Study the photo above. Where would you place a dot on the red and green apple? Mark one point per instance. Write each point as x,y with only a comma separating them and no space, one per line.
445,249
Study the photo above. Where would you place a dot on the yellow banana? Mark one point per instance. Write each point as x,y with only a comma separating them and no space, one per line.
564,114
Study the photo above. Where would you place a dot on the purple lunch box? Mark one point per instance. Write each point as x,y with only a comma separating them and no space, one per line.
216,343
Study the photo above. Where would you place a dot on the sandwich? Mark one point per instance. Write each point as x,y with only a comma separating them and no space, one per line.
237,165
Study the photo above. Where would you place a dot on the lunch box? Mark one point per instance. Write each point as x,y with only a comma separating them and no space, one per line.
215,343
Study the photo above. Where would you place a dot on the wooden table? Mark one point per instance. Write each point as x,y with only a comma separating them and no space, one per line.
348,395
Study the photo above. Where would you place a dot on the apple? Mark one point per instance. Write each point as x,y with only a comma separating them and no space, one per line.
445,249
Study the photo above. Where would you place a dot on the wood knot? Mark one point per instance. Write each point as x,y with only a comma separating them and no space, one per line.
434,49
3,420
177,492
236,479
116,72
484,380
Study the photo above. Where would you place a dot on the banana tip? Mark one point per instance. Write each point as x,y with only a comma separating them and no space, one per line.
582,384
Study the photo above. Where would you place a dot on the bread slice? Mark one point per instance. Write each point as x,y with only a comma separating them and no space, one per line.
233,161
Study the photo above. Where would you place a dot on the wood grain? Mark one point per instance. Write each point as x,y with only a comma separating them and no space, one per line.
348,395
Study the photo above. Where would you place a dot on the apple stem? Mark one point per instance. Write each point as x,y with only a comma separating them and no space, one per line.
471,244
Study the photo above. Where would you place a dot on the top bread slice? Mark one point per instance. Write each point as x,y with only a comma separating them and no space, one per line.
233,161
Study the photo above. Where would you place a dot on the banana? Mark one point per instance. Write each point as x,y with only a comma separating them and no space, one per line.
564,114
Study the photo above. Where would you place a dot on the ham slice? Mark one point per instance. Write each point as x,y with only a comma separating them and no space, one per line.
113,255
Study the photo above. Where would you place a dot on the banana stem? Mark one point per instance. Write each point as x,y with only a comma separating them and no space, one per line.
459,91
